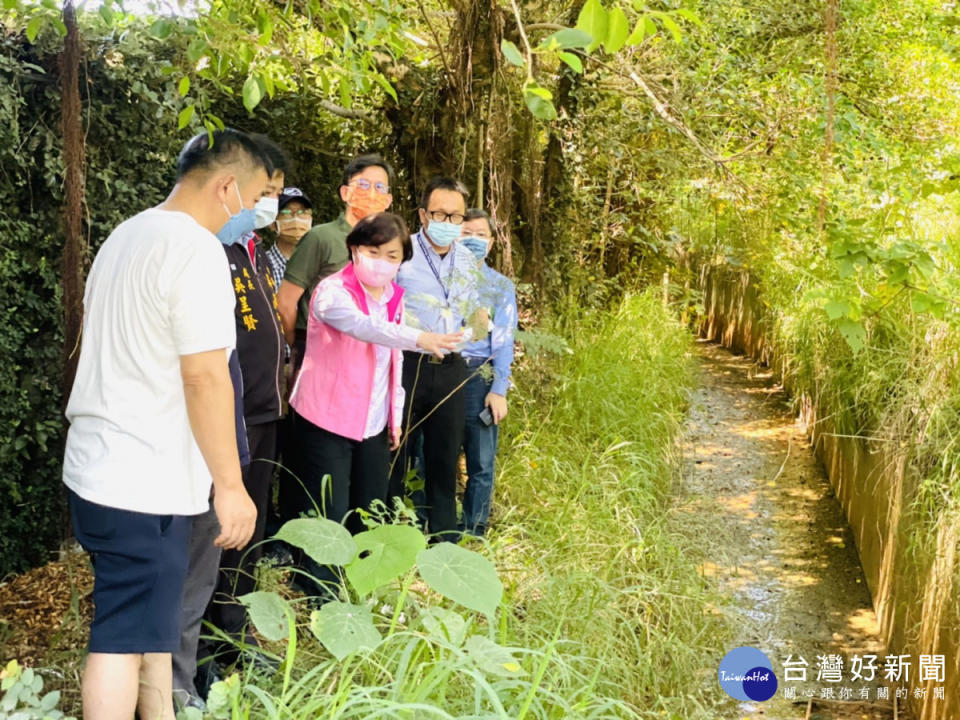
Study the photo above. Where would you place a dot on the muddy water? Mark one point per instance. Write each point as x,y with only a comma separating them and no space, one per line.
776,544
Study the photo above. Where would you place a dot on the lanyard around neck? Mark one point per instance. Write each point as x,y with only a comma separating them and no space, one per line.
433,267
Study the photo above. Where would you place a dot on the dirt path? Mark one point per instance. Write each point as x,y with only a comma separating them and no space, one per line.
775,541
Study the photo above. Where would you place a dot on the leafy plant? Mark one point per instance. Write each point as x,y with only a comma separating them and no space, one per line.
22,699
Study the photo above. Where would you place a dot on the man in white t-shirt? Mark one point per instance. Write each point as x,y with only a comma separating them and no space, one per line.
152,419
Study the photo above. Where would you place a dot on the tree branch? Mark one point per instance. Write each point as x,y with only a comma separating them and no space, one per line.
348,113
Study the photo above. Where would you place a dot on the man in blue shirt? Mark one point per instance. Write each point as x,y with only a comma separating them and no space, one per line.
441,282
488,361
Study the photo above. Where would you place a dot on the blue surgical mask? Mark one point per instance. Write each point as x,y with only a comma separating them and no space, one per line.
443,234
477,245
238,225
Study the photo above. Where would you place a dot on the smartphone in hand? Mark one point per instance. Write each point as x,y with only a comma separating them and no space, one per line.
486,417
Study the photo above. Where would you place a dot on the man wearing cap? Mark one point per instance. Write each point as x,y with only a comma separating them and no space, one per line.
294,220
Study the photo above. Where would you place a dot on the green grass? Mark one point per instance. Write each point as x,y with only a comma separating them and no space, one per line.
604,611
604,614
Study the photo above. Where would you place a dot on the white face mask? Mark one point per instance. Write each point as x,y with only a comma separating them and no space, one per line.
266,211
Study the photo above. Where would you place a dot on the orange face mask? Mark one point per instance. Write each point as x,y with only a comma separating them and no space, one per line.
367,202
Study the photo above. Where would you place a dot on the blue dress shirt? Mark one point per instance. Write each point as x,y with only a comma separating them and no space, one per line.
441,291
498,295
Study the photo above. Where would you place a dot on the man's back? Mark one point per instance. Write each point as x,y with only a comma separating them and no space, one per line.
159,288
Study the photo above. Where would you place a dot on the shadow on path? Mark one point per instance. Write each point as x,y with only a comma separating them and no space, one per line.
776,543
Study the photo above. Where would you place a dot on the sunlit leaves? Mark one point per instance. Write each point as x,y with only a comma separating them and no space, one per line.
465,577
617,31
33,27
385,553
593,21
511,53
161,28
572,61
326,541
566,39
185,116
270,614
252,94
539,101
344,629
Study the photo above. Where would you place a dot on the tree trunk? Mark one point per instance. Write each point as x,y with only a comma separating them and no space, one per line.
74,156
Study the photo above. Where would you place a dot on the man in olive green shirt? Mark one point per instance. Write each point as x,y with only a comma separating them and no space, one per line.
323,250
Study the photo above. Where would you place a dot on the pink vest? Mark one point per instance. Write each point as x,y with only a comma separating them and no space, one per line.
335,382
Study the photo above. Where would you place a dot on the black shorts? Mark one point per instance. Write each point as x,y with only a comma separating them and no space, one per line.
139,568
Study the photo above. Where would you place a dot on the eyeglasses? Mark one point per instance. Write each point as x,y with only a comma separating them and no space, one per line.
306,212
364,184
441,216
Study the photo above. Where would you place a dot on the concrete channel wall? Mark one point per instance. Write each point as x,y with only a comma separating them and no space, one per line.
909,569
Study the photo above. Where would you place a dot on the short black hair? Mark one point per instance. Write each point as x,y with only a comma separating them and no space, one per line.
279,158
442,182
361,163
207,151
478,214
380,228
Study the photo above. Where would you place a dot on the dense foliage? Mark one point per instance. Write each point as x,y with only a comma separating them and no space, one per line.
611,141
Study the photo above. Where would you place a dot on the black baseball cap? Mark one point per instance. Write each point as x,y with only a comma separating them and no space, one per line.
290,194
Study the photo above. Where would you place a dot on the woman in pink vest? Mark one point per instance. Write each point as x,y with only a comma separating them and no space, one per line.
348,398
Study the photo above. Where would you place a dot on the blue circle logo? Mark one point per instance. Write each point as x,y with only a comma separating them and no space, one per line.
746,674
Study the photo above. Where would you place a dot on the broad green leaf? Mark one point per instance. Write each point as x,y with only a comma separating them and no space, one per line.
639,32
106,13
196,49
836,309
444,624
161,28
190,713
572,61
33,27
593,21
649,26
251,93
854,333
269,613
925,264
493,659
385,84
670,25
186,115
540,108
49,701
216,121
617,31
264,27
690,15
539,91
184,86
326,541
568,38
511,53
462,575
919,302
344,629
385,553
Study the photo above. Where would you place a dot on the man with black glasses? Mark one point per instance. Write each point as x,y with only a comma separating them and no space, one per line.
441,282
